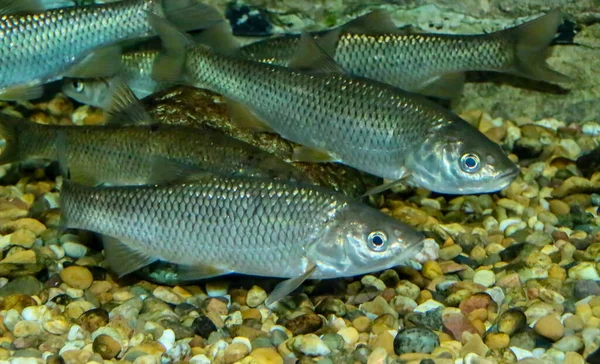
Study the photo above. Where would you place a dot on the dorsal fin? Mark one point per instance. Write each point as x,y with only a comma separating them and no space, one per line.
375,22
313,56
219,38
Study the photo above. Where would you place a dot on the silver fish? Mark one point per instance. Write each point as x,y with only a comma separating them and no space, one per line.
362,123
137,155
40,47
433,64
240,225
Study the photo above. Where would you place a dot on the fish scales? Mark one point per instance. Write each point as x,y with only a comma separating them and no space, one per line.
227,222
356,114
137,72
38,46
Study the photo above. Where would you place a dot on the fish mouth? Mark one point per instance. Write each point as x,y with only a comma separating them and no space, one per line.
509,176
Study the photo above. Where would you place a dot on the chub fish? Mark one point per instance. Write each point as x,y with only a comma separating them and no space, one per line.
432,64
368,125
252,226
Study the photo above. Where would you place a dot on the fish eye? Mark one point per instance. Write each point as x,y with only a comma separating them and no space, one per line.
377,241
470,162
78,86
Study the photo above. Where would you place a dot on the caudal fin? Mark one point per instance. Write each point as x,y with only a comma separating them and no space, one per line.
9,132
531,48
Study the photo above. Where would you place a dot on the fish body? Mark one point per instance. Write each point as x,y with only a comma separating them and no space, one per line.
42,47
368,125
134,155
240,225
424,62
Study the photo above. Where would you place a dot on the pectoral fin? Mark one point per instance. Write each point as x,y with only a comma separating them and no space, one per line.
317,56
122,258
123,106
288,286
22,92
242,116
387,184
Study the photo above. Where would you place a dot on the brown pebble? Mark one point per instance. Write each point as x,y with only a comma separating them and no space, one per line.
217,306
77,277
304,324
574,322
106,346
17,302
235,352
559,208
252,313
549,327
93,319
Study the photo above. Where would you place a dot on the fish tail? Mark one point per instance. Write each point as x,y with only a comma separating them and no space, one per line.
190,15
9,132
531,41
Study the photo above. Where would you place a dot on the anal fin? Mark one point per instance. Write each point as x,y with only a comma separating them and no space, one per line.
312,155
242,116
22,92
199,271
123,106
447,86
165,170
288,286
122,258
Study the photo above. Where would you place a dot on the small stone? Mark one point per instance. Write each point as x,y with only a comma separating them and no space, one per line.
378,356
569,343
512,321
57,327
450,252
456,323
22,237
377,307
573,358
256,296
415,340
93,319
372,283
304,324
77,277
331,306
203,326
235,352
431,269
497,341
550,327
21,257
74,250
361,323
310,345
216,289
349,334
407,289
333,341
584,270
17,302
106,346
27,328
216,305
266,356
473,344
574,322
559,208
166,294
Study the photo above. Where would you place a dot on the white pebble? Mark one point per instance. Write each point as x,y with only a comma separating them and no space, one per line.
484,277
507,222
51,200
35,313
497,294
105,330
167,339
76,333
538,352
514,228
219,345
571,147
429,305
72,345
373,281
520,354
234,319
74,250
590,128
58,251
216,289
430,251
584,270
551,123
242,340
200,359
256,296
311,344
11,318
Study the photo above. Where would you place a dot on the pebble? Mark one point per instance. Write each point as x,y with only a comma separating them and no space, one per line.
512,321
266,356
415,340
550,327
349,334
235,352
166,294
74,250
559,208
77,277
256,296
450,252
310,345
584,270
484,277
497,341
106,346
431,270
304,324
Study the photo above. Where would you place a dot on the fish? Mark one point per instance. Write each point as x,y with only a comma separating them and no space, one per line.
135,71
337,117
221,225
432,64
139,151
40,46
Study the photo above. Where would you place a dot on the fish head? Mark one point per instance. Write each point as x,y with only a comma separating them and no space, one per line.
362,240
93,91
458,159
